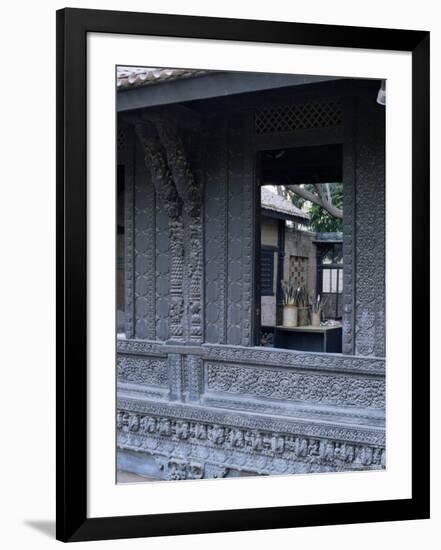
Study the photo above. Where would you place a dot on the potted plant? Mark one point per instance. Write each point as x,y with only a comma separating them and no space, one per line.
290,303
316,311
303,306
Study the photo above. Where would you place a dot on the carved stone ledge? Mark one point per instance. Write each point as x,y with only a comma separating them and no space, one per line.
317,413
291,358
157,393
261,356
140,347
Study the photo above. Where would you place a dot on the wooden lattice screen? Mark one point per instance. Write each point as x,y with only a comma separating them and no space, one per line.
288,118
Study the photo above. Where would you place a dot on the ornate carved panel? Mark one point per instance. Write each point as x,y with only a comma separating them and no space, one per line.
194,378
176,375
290,385
370,230
151,371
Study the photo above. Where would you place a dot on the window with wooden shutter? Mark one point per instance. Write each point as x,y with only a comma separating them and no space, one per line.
267,271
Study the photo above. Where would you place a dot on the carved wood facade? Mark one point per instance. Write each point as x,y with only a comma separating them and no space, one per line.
195,397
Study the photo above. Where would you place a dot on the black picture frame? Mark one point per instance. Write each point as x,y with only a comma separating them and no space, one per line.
72,28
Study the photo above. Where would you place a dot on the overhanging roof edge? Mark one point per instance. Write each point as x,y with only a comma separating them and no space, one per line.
212,85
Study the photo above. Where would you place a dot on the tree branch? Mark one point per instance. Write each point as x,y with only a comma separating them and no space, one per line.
317,199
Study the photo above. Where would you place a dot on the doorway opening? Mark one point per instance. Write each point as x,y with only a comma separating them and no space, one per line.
299,261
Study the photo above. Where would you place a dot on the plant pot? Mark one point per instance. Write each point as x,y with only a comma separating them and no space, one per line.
315,319
290,316
303,316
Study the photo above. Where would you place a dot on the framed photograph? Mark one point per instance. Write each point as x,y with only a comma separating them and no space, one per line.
242,274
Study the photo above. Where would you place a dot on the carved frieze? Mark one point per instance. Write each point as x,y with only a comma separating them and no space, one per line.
364,435
230,446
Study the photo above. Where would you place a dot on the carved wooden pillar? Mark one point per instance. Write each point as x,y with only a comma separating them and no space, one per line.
370,228
177,188
189,191
166,192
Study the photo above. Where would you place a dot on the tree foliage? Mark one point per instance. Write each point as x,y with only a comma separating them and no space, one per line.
320,218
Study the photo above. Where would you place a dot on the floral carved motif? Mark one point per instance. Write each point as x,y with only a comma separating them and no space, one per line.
144,371
294,386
